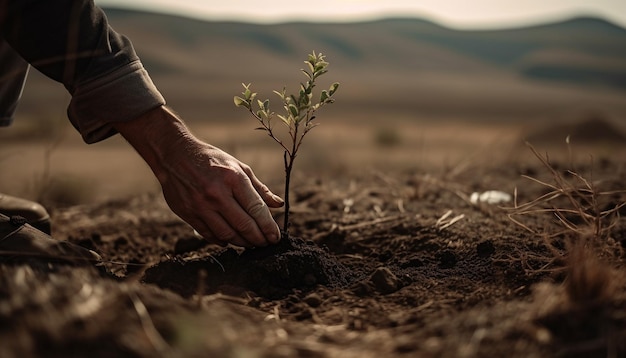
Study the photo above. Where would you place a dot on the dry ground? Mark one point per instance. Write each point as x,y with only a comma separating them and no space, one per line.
394,259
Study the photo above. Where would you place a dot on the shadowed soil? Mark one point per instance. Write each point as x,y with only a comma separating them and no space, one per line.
386,264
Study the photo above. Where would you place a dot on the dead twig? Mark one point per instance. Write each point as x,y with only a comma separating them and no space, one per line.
581,211
443,222
369,223
153,335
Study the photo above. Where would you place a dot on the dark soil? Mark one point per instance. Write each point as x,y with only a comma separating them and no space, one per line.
383,265
272,272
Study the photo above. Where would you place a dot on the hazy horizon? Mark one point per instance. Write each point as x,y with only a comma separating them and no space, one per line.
481,14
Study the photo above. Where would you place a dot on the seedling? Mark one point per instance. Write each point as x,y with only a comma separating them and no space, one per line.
298,116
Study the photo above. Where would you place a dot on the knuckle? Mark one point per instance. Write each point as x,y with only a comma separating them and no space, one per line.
246,168
246,226
256,208
232,176
226,235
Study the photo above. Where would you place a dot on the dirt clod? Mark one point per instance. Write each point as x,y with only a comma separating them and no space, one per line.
384,280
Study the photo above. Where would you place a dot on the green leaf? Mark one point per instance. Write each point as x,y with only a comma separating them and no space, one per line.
284,119
306,73
333,88
240,102
293,110
281,94
324,96
319,73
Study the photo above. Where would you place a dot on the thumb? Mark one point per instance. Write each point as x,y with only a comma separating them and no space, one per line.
272,200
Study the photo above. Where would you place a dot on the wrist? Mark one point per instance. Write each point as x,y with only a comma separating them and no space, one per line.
154,135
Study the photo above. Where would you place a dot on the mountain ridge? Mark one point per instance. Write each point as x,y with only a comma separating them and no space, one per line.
404,43
392,67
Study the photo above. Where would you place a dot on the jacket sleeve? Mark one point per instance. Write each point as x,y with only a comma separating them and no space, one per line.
71,42
13,71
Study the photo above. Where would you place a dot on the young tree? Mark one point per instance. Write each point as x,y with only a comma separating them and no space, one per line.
298,116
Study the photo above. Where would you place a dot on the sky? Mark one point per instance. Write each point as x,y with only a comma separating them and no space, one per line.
462,14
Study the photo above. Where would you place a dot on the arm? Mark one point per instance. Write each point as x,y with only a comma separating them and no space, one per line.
71,42
214,192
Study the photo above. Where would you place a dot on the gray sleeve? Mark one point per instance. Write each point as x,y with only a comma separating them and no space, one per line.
71,42
121,95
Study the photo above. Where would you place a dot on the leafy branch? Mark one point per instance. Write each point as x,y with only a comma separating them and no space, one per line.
298,115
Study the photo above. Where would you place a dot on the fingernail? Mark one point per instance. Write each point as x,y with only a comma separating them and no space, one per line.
274,238
278,199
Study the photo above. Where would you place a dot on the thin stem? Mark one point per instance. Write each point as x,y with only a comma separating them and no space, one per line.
269,130
288,167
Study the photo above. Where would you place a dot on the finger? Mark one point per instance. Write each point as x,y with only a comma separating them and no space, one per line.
243,222
272,200
250,201
224,232
202,231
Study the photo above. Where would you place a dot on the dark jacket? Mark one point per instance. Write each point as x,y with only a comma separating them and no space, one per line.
71,42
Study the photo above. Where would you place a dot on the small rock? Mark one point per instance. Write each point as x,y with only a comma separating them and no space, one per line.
361,288
313,300
384,280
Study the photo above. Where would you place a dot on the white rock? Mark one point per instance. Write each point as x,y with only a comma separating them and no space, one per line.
490,197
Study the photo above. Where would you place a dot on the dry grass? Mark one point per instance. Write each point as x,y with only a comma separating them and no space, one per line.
579,206
582,313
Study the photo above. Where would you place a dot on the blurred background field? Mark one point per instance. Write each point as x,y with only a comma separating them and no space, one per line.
414,95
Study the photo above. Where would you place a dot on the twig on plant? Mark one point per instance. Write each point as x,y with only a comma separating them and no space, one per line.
298,116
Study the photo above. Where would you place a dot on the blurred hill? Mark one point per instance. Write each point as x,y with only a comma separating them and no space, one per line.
395,67
584,50
412,93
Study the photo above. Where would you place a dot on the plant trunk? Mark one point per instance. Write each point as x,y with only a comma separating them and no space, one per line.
288,167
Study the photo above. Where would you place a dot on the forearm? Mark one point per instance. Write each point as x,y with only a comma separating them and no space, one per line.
154,135
208,188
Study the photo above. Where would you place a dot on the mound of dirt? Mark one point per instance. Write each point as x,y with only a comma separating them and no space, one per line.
271,272
592,129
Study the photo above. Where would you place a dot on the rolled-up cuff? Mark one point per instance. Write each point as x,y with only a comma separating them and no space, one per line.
120,96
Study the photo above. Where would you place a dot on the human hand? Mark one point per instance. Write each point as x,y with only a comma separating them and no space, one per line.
219,196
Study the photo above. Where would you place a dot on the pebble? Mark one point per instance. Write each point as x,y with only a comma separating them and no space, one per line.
385,281
313,300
